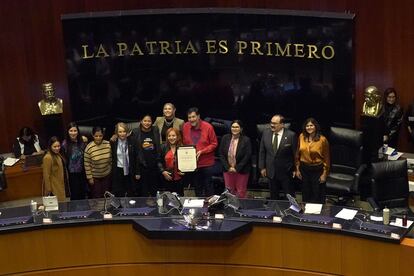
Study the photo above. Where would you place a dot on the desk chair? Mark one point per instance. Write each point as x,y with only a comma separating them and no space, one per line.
346,164
389,183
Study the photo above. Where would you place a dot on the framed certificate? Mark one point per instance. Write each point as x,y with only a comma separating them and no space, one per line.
187,159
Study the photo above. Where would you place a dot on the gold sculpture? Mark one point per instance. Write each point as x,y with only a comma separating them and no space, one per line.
372,103
50,104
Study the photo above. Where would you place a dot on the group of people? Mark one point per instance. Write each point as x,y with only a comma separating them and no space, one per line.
134,162
141,161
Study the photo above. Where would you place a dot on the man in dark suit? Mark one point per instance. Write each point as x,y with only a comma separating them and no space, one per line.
277,156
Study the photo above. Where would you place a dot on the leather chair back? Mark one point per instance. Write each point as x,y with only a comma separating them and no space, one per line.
345,149
346,152
389,183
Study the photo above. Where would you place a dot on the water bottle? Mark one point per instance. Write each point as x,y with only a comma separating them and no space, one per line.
33,208
160,202
386,215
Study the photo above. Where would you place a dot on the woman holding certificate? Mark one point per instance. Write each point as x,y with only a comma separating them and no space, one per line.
235,155
171,175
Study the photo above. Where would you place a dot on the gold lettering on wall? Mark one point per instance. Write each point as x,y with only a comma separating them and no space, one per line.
212,46
190,48
85,52
255,46
331,52
165,48
223,49
122,48
136,49
241,45
281,52
299,50
101,52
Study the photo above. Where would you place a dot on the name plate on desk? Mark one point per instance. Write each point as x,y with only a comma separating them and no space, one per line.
187,159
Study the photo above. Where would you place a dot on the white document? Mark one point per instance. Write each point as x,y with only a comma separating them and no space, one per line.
10,161
398,222
347,214
394,157
193,203
313,208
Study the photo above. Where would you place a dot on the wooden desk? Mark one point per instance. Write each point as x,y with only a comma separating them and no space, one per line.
22,183
117,249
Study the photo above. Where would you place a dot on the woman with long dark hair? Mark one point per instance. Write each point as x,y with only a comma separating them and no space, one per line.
73,148
235,155
393,116
148,139
54,171
312,162
171,175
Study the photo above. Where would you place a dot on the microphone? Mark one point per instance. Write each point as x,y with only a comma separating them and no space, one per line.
109,197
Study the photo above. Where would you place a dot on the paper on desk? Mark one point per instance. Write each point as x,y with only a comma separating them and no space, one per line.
313,208
411,186
193,203
347,214
398,222
375,218
10,161
389,151
394,157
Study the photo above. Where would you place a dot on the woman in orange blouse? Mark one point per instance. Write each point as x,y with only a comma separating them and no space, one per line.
312,162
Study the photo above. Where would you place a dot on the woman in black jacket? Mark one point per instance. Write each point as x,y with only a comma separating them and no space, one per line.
235,155
393,116
148,139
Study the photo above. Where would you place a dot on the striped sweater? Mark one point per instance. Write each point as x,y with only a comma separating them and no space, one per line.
97,160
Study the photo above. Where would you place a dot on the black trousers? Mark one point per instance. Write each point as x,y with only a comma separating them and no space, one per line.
281,181
202,181
176,186
122,185
313,190
149,181
78,186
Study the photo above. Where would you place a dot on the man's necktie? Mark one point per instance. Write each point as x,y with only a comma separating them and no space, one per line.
275,141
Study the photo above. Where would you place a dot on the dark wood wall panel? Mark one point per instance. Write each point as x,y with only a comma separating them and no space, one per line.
31,49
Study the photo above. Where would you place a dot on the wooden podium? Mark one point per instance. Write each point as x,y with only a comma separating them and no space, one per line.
22,182
117,249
